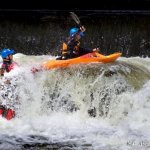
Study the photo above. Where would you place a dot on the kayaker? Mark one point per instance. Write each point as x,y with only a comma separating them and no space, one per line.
71,48
7,65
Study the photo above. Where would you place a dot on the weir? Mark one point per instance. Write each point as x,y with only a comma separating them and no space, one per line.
39,32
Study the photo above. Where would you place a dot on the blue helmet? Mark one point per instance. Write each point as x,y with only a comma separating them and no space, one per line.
75,30
6,52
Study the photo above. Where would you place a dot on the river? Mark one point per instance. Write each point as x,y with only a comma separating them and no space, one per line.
91,107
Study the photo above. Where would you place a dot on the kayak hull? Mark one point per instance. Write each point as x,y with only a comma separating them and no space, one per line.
86,59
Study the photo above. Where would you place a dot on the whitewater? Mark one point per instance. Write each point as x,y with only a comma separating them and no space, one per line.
83,107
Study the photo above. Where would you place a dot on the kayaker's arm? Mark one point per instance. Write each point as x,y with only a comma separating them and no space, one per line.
36,69
88,50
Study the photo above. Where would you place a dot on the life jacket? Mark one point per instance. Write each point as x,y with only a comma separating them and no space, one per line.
7,113
7,66
71,46
76,48
64,48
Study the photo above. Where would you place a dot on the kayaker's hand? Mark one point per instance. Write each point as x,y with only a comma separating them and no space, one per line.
82,29
96,50
34,70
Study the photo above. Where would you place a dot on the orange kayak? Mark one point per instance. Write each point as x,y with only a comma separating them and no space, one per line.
87,58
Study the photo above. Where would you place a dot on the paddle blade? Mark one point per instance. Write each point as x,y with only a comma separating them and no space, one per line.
75,17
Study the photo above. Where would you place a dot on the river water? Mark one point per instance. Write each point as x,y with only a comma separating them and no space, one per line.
91,107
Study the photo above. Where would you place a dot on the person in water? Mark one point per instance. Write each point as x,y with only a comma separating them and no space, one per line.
7,65
71,47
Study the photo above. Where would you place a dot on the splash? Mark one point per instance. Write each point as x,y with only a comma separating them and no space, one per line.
90,106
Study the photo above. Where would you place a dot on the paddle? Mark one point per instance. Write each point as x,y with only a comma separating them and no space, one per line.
75,18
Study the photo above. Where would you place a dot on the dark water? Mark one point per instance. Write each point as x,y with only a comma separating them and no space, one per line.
35,142
41,32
